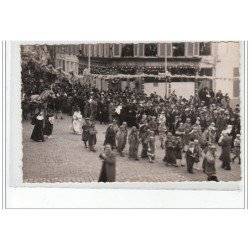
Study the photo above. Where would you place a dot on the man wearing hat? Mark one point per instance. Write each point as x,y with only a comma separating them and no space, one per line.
188,129
110,136
220,124
121,138
144,140
225,143
85,131
170,150
190,157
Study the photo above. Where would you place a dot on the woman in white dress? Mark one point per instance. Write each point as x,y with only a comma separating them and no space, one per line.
76,121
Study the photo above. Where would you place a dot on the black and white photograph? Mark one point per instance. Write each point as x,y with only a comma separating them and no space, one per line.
124,125
143,112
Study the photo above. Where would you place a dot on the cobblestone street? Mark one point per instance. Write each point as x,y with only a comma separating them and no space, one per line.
65,159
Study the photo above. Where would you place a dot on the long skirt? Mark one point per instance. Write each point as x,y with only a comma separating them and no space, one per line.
144,150
178,154
48,128
208,168
190,163
120,146
110,141
76,126
170,156
107,173
37,134
85,135
133,151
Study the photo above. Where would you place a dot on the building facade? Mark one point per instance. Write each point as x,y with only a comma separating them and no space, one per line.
192,65
65,57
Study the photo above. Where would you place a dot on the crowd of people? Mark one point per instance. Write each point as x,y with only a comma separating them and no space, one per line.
192,127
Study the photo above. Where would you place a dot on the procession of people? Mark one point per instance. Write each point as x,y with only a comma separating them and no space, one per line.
190,129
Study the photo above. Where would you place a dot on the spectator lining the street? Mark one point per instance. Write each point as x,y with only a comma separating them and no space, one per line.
204,118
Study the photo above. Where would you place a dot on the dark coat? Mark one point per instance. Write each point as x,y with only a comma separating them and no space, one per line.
190,158
108,168
37,134
85,131
133,145
121,139
110,137
208,164
170,152
225,153
92,136
178,149
48,128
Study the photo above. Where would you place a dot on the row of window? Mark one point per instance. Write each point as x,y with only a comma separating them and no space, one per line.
138,50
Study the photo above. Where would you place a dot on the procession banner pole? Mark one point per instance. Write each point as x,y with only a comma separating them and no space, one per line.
166,70
89,59
89,65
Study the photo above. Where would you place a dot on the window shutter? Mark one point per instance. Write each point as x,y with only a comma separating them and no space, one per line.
107,50
196,49
92,49
116,50
141,49
161,50
189,49
96,50
169,49
101,50
74,49
78,47
85,49
236,72
136,47
70,49
236,87
105,54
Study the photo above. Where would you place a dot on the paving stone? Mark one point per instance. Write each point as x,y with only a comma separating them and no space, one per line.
65,159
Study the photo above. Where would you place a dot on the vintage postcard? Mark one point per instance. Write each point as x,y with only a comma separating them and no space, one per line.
163,113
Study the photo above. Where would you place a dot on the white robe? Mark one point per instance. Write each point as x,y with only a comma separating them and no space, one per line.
76,123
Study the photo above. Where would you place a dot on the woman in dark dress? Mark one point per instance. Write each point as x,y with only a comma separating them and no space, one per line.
49,121
108,165
110,136
37,134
